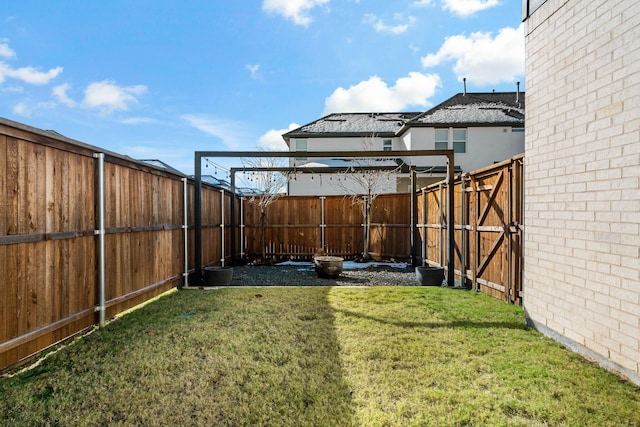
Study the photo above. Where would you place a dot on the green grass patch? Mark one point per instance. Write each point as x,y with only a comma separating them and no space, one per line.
379,356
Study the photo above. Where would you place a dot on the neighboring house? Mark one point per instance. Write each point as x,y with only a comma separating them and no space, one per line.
482,128
582,177
160,164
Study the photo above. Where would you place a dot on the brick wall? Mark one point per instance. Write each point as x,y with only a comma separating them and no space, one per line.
582,178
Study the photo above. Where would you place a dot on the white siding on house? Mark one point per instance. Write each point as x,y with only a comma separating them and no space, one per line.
320,184
489,145
582,178
350,144
485,146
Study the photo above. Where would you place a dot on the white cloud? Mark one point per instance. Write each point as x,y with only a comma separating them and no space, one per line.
380,27
374,95
60,93
482,59
272,139
21,109
110,97
14,89
468,7
295,10
422,3
5,50
28,74
254,70
229,131
140,121
25,110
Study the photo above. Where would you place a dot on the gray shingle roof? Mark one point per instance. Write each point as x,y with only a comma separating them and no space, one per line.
480,109
493,108
353,124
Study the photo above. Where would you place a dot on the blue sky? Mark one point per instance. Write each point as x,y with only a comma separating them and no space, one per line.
161,79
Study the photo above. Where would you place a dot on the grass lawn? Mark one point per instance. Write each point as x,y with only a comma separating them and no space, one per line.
319,356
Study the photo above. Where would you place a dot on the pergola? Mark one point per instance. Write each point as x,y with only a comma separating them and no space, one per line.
199,155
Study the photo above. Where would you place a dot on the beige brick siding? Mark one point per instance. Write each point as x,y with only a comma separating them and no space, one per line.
582,178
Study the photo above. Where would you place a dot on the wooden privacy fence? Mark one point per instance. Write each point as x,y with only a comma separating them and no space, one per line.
488,238
295,227
51,236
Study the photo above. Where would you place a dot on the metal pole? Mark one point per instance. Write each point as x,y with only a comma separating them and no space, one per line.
463,230
414,217
222,227
451,219
322,224
424,230
241,228
441,226
197,207
365,229
185,229
233,218
102,304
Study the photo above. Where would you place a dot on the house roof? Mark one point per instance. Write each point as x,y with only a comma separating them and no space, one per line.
162,165
212,180
478,109
352,124
490,108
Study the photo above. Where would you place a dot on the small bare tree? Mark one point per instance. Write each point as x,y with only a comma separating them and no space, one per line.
266,187
364,181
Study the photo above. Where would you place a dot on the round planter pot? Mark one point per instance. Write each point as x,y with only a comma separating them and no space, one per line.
328,267
218,276
430,276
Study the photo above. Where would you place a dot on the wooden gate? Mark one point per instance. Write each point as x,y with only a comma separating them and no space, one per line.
488,229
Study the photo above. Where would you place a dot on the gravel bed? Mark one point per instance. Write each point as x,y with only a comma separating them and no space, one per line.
303,275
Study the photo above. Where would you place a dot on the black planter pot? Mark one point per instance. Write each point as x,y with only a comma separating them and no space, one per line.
218,276
430,276
328,267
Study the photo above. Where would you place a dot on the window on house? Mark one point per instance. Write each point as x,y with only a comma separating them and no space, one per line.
301,145
459,140
442,139
387,145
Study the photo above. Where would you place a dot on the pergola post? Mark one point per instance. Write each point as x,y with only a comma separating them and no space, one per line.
451,229
197,207
414,216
